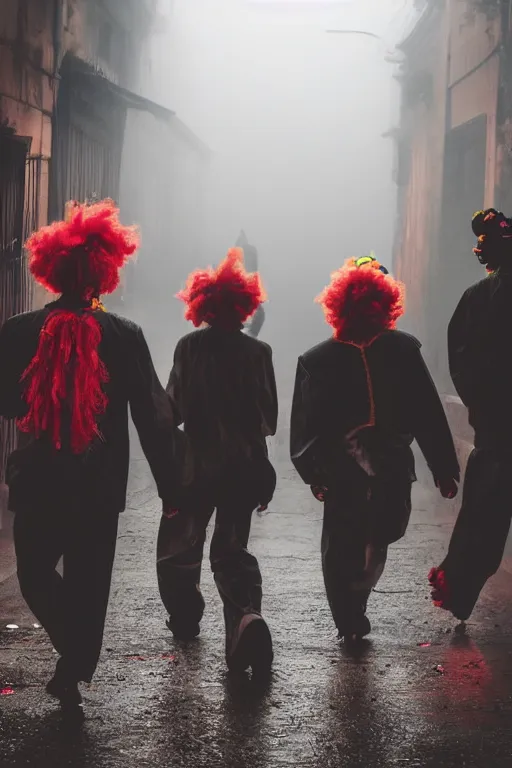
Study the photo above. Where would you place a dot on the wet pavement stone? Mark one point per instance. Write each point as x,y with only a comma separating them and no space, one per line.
417,693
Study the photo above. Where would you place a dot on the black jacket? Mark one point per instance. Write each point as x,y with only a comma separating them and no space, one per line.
222,388
479,338
333,398
39,475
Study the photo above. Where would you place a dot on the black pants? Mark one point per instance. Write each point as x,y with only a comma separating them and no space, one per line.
480,534
72,607
362,516
180,552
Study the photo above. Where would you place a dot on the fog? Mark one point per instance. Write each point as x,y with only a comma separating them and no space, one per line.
292,119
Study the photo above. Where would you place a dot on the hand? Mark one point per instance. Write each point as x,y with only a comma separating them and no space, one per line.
169,510
448,487
319,492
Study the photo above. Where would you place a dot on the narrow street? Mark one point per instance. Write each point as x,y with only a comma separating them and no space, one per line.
416,694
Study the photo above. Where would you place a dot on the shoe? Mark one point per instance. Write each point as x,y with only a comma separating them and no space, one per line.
183,632
442,596
355,629
67,693
250,646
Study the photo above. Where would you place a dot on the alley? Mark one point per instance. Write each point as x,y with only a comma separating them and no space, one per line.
416,694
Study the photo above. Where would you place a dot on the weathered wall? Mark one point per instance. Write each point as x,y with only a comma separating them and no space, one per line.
27,82
458,51
109,35
423,131
474,71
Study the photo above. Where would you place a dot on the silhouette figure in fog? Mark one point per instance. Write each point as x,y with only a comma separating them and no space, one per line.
69,372
360,399
481,369
223,390
255,323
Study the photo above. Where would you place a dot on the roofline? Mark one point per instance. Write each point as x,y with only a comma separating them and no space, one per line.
134,101
418,28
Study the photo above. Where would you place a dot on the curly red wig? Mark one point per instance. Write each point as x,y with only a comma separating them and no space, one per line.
83,254
226,296
361,302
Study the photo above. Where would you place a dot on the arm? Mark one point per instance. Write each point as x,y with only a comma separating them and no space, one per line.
430,424
463,372
11,354
304,433
269,406
153,418
175,385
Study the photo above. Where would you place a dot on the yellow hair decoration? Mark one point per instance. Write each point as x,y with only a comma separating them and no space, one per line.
97,305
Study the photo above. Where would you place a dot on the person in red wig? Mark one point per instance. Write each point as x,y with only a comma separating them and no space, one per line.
69,372
223,390
360,399
478,344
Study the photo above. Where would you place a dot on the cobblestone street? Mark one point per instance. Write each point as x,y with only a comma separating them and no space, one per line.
416,694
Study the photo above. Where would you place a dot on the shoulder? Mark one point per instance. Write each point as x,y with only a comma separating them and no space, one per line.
399,340
192,338
25,321
479,291
118,324
257,345
319,353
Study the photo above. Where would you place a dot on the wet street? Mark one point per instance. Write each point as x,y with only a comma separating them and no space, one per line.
416,694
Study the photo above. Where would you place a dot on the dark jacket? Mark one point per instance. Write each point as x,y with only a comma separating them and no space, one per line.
39,475
222,388
479,338
384,392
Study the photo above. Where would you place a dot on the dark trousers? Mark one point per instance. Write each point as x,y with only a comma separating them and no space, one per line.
362,516
71,607
180,553
480,534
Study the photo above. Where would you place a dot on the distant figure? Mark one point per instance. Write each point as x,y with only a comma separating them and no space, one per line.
69,372
481,369
223,390
360,399
255,323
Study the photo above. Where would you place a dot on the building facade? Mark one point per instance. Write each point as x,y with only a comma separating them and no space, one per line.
455,141
72,73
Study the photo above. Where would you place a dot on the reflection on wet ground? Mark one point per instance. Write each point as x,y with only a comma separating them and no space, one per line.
417,693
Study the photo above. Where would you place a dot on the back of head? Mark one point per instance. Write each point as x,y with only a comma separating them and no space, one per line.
362,301
224,297
82,255
494,232
80,258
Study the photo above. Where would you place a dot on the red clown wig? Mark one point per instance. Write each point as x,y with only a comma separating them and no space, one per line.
226,296
83,254
361,302
80,258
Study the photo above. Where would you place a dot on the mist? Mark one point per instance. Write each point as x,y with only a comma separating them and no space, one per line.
292,120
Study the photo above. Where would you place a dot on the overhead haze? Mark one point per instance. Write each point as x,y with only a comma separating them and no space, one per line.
294,117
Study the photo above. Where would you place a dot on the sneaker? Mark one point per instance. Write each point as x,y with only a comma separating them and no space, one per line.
250,646
357,628
183,632
68,695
